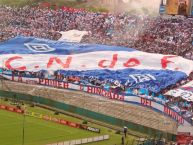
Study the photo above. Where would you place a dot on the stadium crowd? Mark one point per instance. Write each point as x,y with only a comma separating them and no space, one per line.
161,34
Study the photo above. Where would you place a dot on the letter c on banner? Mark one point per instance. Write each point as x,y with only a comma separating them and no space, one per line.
8,64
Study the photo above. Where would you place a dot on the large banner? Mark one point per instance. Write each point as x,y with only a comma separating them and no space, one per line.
185,92
108,64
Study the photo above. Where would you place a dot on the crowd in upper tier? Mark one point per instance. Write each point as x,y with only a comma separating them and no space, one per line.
161,34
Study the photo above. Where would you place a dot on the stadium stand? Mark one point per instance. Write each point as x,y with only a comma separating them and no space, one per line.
179,104
125,111
162,34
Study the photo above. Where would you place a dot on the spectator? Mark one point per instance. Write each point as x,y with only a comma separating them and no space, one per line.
161,34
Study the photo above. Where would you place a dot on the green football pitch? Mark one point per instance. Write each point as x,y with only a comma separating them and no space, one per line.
40,132
36,131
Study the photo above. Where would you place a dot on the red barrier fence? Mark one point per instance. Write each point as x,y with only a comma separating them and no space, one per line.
56,120
49,118
67,123
62,121
11,109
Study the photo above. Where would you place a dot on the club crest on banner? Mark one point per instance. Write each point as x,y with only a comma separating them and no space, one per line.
35,47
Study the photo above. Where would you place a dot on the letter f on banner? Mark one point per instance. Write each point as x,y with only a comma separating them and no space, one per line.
165,61
112,64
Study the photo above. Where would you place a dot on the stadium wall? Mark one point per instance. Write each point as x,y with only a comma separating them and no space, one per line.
87,113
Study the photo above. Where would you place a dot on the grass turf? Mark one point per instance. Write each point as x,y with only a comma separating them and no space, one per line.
40,132
37,132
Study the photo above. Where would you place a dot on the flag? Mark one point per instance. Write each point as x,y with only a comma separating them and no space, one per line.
72,35
120,66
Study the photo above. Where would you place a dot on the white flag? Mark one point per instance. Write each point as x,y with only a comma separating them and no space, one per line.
72,35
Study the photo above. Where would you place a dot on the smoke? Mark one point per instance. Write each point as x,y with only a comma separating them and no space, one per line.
141,6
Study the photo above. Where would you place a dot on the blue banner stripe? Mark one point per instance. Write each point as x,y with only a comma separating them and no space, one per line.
16,46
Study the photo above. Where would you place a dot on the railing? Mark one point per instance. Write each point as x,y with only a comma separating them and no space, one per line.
83,141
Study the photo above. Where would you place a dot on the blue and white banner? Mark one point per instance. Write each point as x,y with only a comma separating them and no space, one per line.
185,92
119,65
